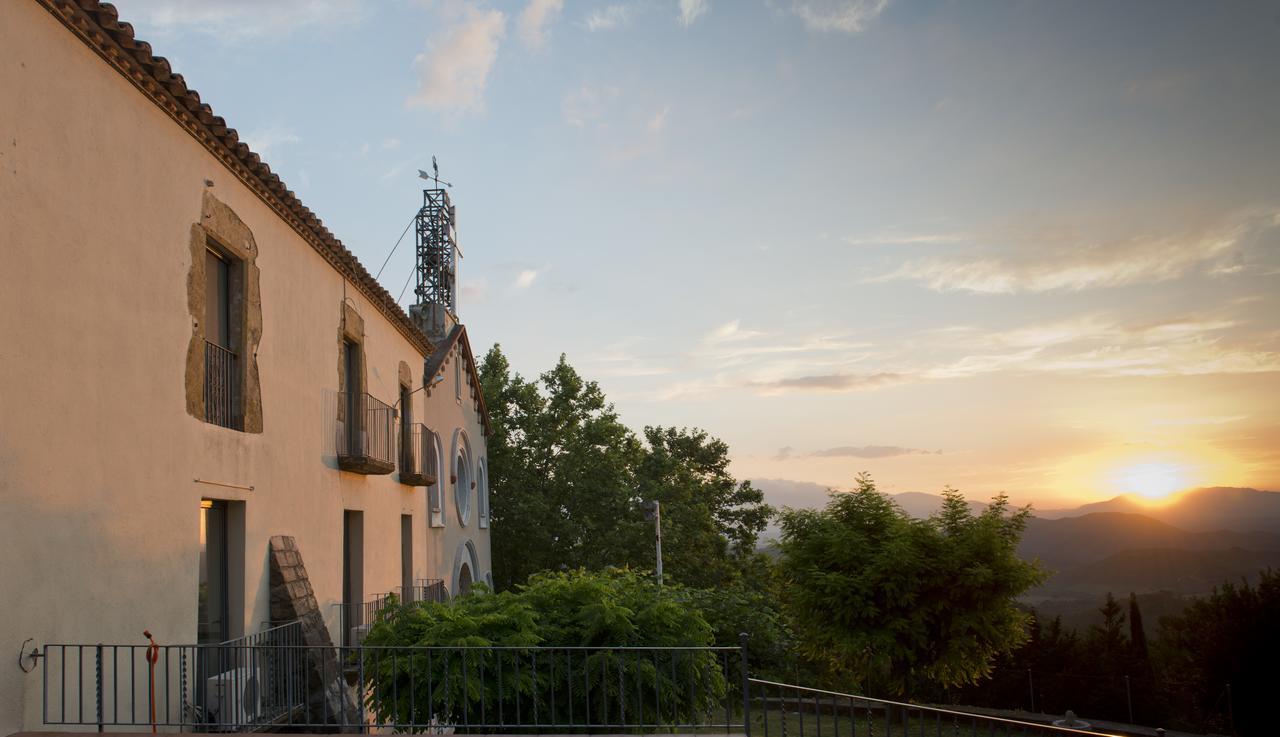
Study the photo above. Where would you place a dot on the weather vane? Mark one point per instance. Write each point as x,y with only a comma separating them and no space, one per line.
434,176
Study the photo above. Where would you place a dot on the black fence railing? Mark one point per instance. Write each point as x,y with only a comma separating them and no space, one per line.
424,590
355,619
366,434
785,710
247,684
418,463
220,386
460,689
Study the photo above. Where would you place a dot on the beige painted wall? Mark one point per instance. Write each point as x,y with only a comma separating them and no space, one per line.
98,505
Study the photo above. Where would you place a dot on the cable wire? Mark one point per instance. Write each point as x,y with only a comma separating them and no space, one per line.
397,245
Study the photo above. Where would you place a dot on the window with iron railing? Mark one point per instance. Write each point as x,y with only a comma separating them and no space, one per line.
221,365
365,434
418,464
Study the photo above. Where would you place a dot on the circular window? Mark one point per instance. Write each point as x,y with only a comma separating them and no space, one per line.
462,485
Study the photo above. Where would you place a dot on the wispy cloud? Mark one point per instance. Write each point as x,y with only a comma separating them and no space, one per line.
855,451
844,16
658,123
239,20
691,10
731,331
454,69
534,19
828,383
525,279
586,104
1074,266
266,141
608,18
896,238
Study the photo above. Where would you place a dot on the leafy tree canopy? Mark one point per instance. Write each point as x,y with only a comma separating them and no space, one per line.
886,604
513,684
568,479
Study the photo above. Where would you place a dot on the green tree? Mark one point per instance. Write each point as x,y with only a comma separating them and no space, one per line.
561,467
886,603
605,612
1228,637
568,479
710,522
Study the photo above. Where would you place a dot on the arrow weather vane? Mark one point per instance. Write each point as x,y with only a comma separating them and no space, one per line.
434,176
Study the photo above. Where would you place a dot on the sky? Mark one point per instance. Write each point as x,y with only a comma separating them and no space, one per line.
1016,247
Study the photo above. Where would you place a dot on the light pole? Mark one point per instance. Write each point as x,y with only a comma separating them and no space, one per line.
653,512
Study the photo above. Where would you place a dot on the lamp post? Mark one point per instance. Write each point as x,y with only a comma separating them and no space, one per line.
653,512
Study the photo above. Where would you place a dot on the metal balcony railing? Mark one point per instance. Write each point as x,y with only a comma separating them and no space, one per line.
220,387
366,434
425,590
418,463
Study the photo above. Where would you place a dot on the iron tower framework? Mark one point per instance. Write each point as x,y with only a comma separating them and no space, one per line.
437,251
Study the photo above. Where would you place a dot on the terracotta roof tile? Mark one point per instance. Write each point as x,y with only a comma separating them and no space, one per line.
97,24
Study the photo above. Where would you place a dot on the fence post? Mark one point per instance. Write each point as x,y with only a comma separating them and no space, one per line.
746,684
97,667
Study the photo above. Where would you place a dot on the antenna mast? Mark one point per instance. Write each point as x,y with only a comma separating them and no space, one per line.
437,246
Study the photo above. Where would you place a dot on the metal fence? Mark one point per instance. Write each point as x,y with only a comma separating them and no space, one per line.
220,386
785,710
459,689
245,684
424,590
356,618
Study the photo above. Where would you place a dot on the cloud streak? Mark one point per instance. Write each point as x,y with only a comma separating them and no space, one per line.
1076,266
855,451
691,10
534,19
608,18
454,69
842,16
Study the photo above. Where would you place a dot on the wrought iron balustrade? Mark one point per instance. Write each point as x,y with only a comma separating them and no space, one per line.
418,463
221,387
366,434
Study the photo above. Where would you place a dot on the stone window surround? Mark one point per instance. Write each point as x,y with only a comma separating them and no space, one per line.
221,229
350,330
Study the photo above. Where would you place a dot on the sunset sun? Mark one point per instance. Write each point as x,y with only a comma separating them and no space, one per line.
1152,480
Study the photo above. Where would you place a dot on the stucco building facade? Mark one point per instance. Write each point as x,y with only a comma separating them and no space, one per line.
190,365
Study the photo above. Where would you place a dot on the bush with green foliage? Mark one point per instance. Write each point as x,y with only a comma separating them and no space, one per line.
886,604
482,659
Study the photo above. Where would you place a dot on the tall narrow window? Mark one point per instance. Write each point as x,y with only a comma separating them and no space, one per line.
221,388
212,610
435,492
351,362
353,611
406,556
482,492
409,454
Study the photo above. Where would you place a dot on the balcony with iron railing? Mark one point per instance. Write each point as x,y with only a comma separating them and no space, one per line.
220,386
366,434
418,462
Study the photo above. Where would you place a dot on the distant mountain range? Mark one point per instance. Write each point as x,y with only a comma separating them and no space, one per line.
1164,552
1201,510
